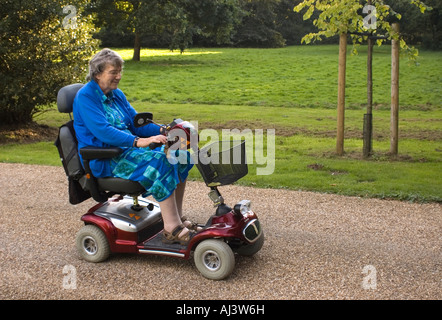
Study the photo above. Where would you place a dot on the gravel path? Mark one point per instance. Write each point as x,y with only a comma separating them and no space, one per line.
317,246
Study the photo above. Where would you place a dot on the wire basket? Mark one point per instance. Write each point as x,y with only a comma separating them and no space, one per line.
222,163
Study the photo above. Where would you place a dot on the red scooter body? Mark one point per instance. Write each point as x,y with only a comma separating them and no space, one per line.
126,225
123,235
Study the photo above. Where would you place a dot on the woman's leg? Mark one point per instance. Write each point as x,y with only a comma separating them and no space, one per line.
170,215
179,196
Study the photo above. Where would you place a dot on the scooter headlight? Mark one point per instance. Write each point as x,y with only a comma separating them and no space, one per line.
242,207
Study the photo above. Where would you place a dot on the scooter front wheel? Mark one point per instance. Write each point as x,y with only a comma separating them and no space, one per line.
92,244
214,259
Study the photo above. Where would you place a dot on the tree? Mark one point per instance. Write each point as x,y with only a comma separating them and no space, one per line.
258,27
42,48
177,21
345,17
290,24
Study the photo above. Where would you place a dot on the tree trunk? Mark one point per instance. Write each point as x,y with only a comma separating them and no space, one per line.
341,94
137,47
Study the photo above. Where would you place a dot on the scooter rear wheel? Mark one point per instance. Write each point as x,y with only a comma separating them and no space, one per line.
214,259
92,244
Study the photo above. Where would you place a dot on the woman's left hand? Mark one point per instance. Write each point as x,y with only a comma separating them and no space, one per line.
145,142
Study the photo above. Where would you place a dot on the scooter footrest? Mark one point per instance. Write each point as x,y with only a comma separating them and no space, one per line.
156,242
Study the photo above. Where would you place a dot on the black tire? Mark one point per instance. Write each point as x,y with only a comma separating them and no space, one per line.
250,249
214,259
92,244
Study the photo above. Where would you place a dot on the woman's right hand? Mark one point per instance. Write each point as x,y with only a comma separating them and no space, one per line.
145,142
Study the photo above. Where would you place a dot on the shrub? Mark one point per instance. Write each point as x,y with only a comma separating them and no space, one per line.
42,48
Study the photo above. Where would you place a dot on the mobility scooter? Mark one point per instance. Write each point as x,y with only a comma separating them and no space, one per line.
125,222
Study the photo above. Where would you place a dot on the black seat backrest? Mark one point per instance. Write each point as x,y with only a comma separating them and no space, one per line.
66,96
67,146
67,142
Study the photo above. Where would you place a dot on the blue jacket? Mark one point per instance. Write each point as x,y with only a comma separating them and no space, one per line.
93,129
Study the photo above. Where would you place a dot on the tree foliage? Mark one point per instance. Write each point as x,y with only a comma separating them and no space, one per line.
255,23
353,17
42,48
258,27
176,22
417,27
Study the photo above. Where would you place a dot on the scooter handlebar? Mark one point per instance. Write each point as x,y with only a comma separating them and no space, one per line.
155,145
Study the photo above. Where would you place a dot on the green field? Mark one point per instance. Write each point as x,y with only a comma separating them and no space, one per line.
298,76
294,91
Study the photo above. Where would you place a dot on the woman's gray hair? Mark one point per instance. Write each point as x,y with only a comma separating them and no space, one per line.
99,62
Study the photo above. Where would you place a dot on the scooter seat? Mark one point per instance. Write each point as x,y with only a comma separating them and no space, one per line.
110,185
120,186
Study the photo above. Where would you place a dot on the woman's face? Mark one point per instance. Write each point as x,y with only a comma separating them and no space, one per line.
109,79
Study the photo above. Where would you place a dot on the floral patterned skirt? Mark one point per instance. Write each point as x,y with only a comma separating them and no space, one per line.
155,171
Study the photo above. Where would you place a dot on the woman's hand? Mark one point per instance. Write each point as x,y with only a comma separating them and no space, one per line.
145,142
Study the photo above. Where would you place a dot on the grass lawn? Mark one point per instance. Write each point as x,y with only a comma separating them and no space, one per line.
294,91
297,76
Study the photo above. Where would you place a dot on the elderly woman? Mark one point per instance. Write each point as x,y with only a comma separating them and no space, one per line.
103,118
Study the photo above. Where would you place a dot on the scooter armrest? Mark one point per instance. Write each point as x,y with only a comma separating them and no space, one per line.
89,153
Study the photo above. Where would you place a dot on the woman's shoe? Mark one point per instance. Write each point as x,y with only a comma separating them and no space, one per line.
176,237
191,225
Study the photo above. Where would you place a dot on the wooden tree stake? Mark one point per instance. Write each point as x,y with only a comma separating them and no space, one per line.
341,94
394,119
